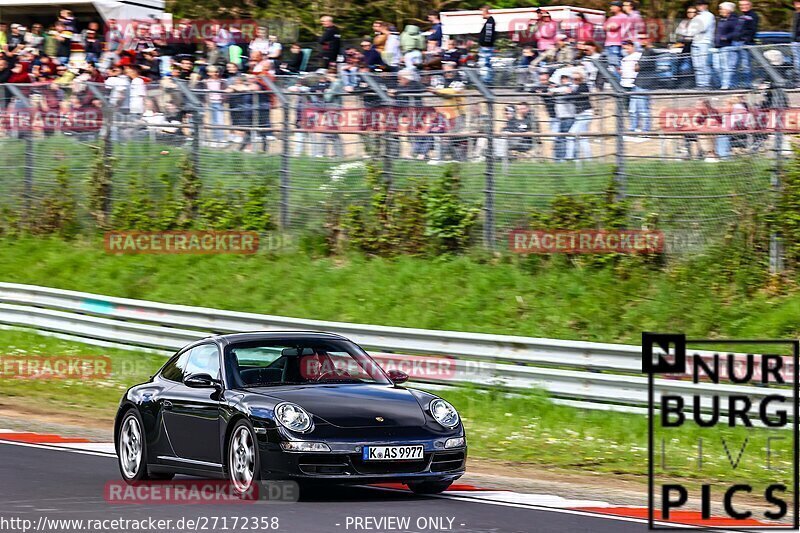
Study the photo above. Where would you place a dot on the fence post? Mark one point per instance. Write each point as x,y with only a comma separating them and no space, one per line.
620,177
108,148
285,172
779,101
489,224
386,100
27,184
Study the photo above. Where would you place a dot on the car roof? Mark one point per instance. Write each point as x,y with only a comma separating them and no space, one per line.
255,336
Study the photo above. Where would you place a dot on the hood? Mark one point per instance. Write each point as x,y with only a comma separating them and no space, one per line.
350,406
411,30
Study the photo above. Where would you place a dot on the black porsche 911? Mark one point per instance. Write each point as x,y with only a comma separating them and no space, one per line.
286,405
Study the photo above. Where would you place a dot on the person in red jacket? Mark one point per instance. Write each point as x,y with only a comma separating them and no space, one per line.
20,73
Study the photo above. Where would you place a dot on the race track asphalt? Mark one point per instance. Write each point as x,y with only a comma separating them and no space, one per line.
61,484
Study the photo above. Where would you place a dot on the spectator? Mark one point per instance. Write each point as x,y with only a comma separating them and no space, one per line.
584,31
379,39
412,43
15,39
682,38
35,37
62,38
646,80
259,64
796,39
614,26
565,115
240,100
432,58
561,54
634,26
583,119
749,20
524,123
435,33
260,42
3,34
629,70
275,49
214,84
701,31
93,46
137,91
590,53
727,33
389,45
486,40
330,41
452,54
293,61
547,31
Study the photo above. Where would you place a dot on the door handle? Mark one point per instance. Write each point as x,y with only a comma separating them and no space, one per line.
167,405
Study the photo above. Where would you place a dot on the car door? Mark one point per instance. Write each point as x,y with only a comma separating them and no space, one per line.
192,415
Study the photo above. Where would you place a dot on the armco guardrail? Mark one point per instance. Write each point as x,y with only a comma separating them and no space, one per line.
597,375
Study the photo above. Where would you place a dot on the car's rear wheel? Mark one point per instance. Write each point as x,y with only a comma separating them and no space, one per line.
429,487
244,466
131,448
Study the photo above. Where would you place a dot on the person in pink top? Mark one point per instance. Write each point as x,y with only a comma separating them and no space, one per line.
546,31
584,30
635,24
615,26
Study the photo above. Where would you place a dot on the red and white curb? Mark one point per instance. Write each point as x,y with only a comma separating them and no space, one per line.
458,491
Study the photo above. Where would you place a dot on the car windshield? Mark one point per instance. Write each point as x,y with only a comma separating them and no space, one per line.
307,362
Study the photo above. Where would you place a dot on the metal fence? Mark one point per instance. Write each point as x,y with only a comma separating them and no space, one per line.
310,142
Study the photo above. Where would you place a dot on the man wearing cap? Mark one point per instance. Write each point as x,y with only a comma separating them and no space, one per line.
701,31
727,33
614,26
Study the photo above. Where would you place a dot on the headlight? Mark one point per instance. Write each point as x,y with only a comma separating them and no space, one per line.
444,413
457,442
293,417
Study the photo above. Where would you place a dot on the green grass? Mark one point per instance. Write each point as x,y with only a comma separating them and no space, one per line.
526,430
507,295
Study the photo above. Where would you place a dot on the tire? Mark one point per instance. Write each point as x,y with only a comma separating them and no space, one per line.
429,487
132,448
242,459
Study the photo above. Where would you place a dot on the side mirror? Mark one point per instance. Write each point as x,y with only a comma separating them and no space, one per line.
201,381
397,376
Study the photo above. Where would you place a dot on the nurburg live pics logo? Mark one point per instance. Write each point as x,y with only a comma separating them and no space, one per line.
742,403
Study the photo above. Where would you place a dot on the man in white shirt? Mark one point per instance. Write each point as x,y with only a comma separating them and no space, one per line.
701,31
628,69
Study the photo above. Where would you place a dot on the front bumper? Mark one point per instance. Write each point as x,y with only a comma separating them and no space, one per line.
344,463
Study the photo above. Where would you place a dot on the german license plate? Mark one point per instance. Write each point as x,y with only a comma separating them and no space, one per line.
392,453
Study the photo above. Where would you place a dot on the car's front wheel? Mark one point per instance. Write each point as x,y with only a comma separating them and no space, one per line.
244,466
131,449
429,487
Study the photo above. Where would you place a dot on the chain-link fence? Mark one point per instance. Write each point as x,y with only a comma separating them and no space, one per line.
688,160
